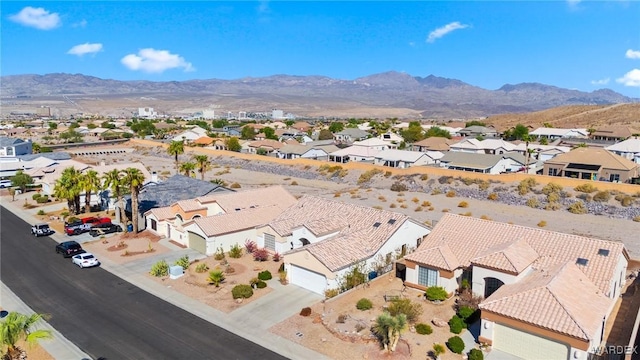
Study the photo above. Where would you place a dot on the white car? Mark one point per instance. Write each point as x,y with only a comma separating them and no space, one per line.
85,260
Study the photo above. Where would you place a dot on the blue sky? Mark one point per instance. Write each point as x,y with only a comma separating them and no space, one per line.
584,45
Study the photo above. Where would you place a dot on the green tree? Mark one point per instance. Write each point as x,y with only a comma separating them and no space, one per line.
336,127
435,131
91,126
517,133
187,168
475,123
325,135
175,149
53,126
70,136
388,329
203,164
68,187
219,124
114,181
16,327
544,141
134,179
107,125
142,127
269,133
21,180
89,183
233,144
36,148
247,133
289,123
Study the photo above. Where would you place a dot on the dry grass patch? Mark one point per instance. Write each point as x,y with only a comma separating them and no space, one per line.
463,204
415,200
418,209
485,217
542,223
425,204
393,205
337,194
451,194
404,206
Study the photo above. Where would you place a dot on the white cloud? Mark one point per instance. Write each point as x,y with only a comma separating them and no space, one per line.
82,23
442,31
632,78
604,81
84,49
632,54
155,61
38,18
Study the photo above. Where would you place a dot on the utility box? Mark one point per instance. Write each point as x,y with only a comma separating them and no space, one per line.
175,272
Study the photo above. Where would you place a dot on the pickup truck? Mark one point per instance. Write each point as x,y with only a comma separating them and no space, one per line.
41,230
94,221
77,227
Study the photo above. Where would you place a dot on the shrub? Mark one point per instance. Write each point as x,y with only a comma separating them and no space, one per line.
235,251
626,201
468,213
261,284
451,193
183,262
464,312
364,304
475,354
415,200
250,246
161,268
242,291
424,177
586,188
526,185
235,185
265,275
551,188
436,191
306,311
260,254
445,180
382,198
484,185
342,318
438,349
41,212
577,208
368,175
393,205
219,255
493,196
542,223
337,194
455,344
602,196
398,186
378,207
456,324
387,173
636,219
329,293
42,199
425,204
405,306
294,183
533,202
552,206
553,197
202,268
418,209
35,196
485,217
436,293
424,329
276,257
216,277
463,204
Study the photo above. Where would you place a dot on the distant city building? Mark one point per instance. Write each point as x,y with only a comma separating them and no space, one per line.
147,113
277,114
208,114
43,111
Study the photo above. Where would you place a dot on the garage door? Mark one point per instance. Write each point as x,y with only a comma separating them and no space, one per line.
526,345
308,279
197,242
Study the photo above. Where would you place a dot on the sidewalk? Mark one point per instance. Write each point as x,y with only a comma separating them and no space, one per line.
276,306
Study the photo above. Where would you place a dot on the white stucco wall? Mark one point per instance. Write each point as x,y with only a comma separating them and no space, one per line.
480,273
618,279
228,240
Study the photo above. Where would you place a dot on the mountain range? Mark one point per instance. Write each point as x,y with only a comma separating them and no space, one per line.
430,97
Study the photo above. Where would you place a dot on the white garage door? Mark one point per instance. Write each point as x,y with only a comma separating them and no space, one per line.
526,345
308,279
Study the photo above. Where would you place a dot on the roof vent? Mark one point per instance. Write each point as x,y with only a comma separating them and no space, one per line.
237,209
582,261
603,252
376,224
392,221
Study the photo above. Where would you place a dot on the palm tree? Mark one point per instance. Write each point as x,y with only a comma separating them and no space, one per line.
202,161
114,181
134,179
187,168
176,148
68,187
388,329
16,327
89,182
216,277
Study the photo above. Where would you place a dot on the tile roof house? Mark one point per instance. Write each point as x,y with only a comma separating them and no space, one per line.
614,133
483,163
316,152
628,149
219,220
322,239
405,159
433,143
547,295
267,145
557,133
487,146
592,164
475,131
12,147
349,135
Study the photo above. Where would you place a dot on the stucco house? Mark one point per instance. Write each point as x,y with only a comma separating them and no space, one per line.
476,131
433,143
592,164
487,146
547,295
322,239
350,135
191,134
12,147
484,163
558,133
268,145
405,159
628,149
316,152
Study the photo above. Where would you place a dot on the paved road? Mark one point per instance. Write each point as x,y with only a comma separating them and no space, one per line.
106,316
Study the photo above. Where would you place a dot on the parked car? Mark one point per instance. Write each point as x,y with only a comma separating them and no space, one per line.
103,229
5,184
93,221
41,230
76,227
85,260
69,248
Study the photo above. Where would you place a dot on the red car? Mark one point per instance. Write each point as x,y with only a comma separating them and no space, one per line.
96,220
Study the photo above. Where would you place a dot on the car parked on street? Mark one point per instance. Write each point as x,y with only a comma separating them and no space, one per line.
96,220
41,230
69,248
5,184
85,260
76,227
104,229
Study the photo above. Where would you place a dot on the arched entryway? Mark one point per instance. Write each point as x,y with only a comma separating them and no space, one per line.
491,285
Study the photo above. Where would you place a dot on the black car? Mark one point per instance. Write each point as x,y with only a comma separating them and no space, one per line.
103,229
69,248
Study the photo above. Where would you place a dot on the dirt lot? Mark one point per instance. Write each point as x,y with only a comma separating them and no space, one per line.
124,247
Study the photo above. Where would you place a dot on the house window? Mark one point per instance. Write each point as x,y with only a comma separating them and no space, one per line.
427,277
154,225
553,172
270,242
491,285
614,177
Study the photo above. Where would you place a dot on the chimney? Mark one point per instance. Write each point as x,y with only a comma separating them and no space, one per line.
154,177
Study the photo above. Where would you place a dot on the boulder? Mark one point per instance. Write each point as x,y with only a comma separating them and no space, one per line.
439,322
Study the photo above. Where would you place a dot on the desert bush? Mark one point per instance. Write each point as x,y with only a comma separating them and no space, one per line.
235,252
364,304
542,223
265,275
242,291
456,344
450,194
626,201
475,354
161,268
485,217
306,311
602,196
235,185
445,180
577,208
424,329
584,197
636,219
35,196
405,306
425,204
219,254
43,199
533,202
398,186
418,209
294,183
553,197
387,174
493,196
551,188
467,298
526,185
552,206
424,177
468,213
586,188
342,318
368,175
438,349
337,194
261,284
250,246
415,200
276,257
403,206
436,191
200,268
436,293
463,204
456,324
329,293
484,185
382,198
41,212
261,254
183,262
465,312
377,207
445,210
393,205
468,181
216,277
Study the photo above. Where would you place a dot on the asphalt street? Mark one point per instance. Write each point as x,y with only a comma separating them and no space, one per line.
105,316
